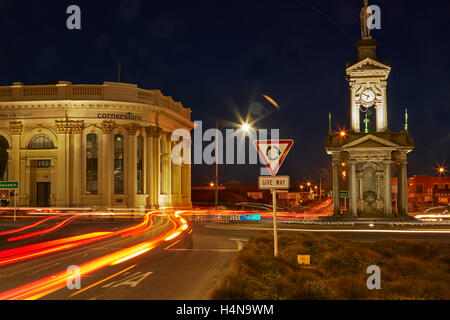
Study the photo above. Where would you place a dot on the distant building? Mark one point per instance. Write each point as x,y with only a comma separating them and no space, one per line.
105,145
426,191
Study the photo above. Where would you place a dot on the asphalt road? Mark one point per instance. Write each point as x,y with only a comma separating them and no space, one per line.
183,269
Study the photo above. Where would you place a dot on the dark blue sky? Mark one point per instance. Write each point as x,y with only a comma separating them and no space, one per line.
216,55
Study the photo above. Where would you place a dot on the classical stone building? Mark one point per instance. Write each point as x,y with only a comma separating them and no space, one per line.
98,146
370,150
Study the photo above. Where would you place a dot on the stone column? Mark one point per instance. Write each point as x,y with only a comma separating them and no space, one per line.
387,188
153,175
354,112
157,168
335,164
16,129
353,191
168,165
76,163
188,185
63,129
402,198
382,110
107,161
132,164
149,172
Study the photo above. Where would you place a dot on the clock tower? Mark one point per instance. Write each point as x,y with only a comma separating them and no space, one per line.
367,79
365,159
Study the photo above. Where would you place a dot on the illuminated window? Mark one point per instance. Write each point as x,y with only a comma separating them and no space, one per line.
91,164
140,165
41,141
118,164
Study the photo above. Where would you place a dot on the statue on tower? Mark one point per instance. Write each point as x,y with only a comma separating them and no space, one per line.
364,16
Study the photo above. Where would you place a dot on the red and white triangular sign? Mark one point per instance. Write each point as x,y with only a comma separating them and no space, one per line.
273,152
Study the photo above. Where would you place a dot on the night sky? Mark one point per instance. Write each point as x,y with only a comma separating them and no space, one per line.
217,57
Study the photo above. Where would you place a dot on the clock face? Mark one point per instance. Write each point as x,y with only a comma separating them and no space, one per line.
368,96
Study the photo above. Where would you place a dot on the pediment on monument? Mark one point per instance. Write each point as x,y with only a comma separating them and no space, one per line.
370,141
367,64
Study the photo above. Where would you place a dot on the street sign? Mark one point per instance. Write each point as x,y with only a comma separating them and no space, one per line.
245,217
4,194
273,152
343,194
273,182
9,184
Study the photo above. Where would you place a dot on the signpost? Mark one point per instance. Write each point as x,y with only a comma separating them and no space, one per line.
9,185
273,153
344,194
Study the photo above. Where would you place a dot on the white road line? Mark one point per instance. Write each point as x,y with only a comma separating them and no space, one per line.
205,250
353,230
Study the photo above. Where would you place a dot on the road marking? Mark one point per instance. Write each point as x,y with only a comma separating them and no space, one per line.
172,244
131,281
341,230
205,250
240,246
98,282
47,267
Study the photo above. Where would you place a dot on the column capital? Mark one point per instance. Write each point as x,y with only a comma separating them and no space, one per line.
107,126
77,126
132,128
15,127
153,131
69,126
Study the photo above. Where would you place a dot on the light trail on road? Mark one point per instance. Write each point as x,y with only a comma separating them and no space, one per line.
47,285
40,232
43,248
28,226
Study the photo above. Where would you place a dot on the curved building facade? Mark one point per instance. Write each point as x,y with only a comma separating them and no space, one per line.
97,146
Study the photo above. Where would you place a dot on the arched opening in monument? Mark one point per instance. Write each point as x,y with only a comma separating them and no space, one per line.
368,119
370,195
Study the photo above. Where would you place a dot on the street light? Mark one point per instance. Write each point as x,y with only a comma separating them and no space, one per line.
441,171
244,126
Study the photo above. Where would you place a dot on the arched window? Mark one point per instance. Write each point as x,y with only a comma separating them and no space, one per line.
118,164
4,145
140,164
41,141
91,163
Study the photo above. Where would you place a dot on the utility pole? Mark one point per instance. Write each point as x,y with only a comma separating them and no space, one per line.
320,188
216,192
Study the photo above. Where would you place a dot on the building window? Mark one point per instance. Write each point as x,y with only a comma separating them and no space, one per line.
435,186
445,186
118,164
419,188
91,163
44,164
41,141
140,165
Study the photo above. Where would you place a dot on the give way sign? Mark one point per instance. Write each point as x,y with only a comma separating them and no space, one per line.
273,152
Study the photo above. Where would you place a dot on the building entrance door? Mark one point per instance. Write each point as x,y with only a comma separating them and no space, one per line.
42,194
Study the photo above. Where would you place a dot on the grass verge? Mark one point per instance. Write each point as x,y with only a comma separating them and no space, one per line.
409,270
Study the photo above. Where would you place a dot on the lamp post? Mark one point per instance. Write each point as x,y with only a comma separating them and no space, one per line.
244,126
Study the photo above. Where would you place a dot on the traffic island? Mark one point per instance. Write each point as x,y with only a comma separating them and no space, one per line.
407,270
